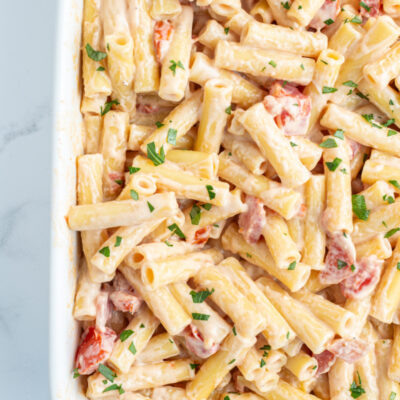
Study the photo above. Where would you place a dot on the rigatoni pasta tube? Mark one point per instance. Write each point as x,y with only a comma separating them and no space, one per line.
381,166
175,66
377,194
394,365
269,36
338,318
173,269
302,366
274,146
214,329
147,74
85,297
326,72
144,376
165,9
259,255
377,246
263,62
212,32
181,119
244,93
93,126
184,184
277,329
163,304
282,247
121,213
218,365
338,214
216,101
358,129
344,37
314,234
309,152
340,379
261,12
386,298
90,191
284,201
125,350
311,330
247,318
360,308
303,11
158,348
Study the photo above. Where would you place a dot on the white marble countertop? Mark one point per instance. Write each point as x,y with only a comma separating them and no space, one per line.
26,74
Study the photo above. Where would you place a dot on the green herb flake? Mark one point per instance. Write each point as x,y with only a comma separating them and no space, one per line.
207,206
249,255
365,6
341,264
171,136
105,251
168,243
352,267
118,241
300,7
262,363
200,317
226,30
360,207
391,232
384,224
293,144
339,134
389,122
107,106
285,5
391,132
273,63
356,390
329,21
118,181
134,194
328,144
152,154
356,20
210,191
93,54
107,372
350,84
194,366
195,214
234,328
125,334
151,207
133,170
76,373
362,95
327,89
292,266
114,387
175,229
332,165
141,326
287,335
228,110
391,102
199,297
389,199
392,396
323,61
302,67
232,361
174,65
132,348
395,183
398,266
100,69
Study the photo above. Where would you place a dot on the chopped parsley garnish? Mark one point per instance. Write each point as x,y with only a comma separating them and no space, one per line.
287,335
174,228
93,54
207,206
107,106
389,199
132,348
199,297
114,387
152,154
391,232
352,267
349,84
356,390
359,206
234,328
293,144
398,266
389,122
329,21
171,136
200,317
356,20
175,64
262,362
151,207
332,165
341,264
195,214
133,170
125,334
107,372
327,89
249,255
141,326
159,124
105,251
226,30
118,241
395,183
361,95
366,7
328,144
391,102
76,373
292,266
134,194
168,243
339,134
273,63
302,67
100,69
391,132
118,181
392,396
210,191
228,110
323,61
285,5
232,361
194,366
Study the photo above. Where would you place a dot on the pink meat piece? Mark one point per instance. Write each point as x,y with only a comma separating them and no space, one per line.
126,302
329,10
325,361
252,222
339,262
103,310
195,343
374,7
349,350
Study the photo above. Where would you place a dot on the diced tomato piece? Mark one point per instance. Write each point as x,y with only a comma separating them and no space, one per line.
372,8
163,31
195,343
329,11
290,108
363,282
202,235
349,350
95,348
339,262
325,361
252,222
125,302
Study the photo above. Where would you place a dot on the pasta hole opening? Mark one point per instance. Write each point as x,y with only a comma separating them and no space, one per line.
149,274
122,41
263,166
371,79
138,257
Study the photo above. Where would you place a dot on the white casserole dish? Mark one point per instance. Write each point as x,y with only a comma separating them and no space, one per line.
67,144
